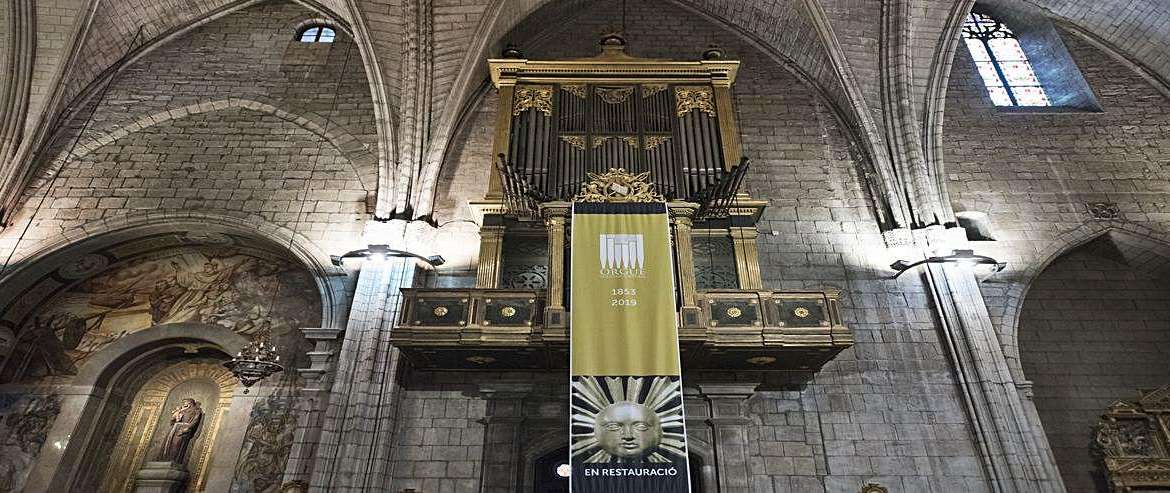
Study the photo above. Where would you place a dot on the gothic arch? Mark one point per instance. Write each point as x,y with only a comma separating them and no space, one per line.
348,145
1149,239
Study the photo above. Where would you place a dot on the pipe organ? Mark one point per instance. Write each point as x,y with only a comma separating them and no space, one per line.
617,128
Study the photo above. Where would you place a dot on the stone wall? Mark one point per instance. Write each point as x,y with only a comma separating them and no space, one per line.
1093,331
232,117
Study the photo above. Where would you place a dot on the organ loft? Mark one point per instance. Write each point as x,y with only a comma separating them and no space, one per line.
540,245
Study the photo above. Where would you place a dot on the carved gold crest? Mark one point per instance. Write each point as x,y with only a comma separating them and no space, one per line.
618,185
538,98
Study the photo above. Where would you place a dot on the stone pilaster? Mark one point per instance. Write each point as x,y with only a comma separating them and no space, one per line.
311,404
729,431
1015,454
357,433
503,435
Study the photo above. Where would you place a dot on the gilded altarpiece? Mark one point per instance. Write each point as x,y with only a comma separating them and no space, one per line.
147,425
1133,439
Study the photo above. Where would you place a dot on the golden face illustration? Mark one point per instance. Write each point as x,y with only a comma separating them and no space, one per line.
627,430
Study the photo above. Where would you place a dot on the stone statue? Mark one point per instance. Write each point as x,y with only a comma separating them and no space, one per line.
185,421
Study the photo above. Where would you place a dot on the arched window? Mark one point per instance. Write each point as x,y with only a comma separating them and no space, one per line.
316,34
1005,68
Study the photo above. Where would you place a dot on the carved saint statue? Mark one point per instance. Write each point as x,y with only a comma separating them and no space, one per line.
185,421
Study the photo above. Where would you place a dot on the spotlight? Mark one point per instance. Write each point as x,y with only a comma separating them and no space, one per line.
383,252
965,257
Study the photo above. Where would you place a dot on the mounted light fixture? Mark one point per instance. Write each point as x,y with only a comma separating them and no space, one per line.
956,257
382,252
256,361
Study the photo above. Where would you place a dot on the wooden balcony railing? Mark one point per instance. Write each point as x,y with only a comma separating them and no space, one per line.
502,328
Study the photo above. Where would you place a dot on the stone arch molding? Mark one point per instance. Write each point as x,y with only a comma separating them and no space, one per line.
348,145
43,256
1144,237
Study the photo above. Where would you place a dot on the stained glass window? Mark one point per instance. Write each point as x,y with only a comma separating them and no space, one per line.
1002,64
316,34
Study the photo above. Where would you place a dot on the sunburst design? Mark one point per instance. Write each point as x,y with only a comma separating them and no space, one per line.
627,419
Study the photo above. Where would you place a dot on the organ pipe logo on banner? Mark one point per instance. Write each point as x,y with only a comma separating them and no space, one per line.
627,431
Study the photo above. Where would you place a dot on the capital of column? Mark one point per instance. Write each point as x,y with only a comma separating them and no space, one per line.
554,211
682,213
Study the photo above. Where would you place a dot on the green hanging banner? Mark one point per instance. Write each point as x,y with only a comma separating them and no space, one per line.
627,432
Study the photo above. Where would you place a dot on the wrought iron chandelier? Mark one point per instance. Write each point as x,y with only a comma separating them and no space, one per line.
255,362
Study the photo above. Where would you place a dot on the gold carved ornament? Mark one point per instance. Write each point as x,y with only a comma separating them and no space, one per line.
652,141
649,90
614,95
578,141
1133,440
694,98
537,98
575,89
618,185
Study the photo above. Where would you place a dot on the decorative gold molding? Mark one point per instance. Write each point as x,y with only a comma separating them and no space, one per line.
598,141
614,95
618,185
575,89
577,141
653,141
694,98
649,90
1133,440
538,98
874,488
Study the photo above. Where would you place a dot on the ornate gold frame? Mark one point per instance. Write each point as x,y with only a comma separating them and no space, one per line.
1133,439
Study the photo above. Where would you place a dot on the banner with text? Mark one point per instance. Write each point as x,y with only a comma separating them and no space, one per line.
626,406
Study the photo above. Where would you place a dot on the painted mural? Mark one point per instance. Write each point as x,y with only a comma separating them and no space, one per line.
212,285
24,425
267,444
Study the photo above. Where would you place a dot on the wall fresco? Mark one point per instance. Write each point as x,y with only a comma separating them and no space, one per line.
220,286
24,425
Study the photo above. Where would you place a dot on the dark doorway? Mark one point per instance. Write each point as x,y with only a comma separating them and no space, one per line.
552,474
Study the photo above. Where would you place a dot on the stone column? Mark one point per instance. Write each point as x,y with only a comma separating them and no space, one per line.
556,214
729,430
747,257
357,432
491,247
1014,458
502,436
681,218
